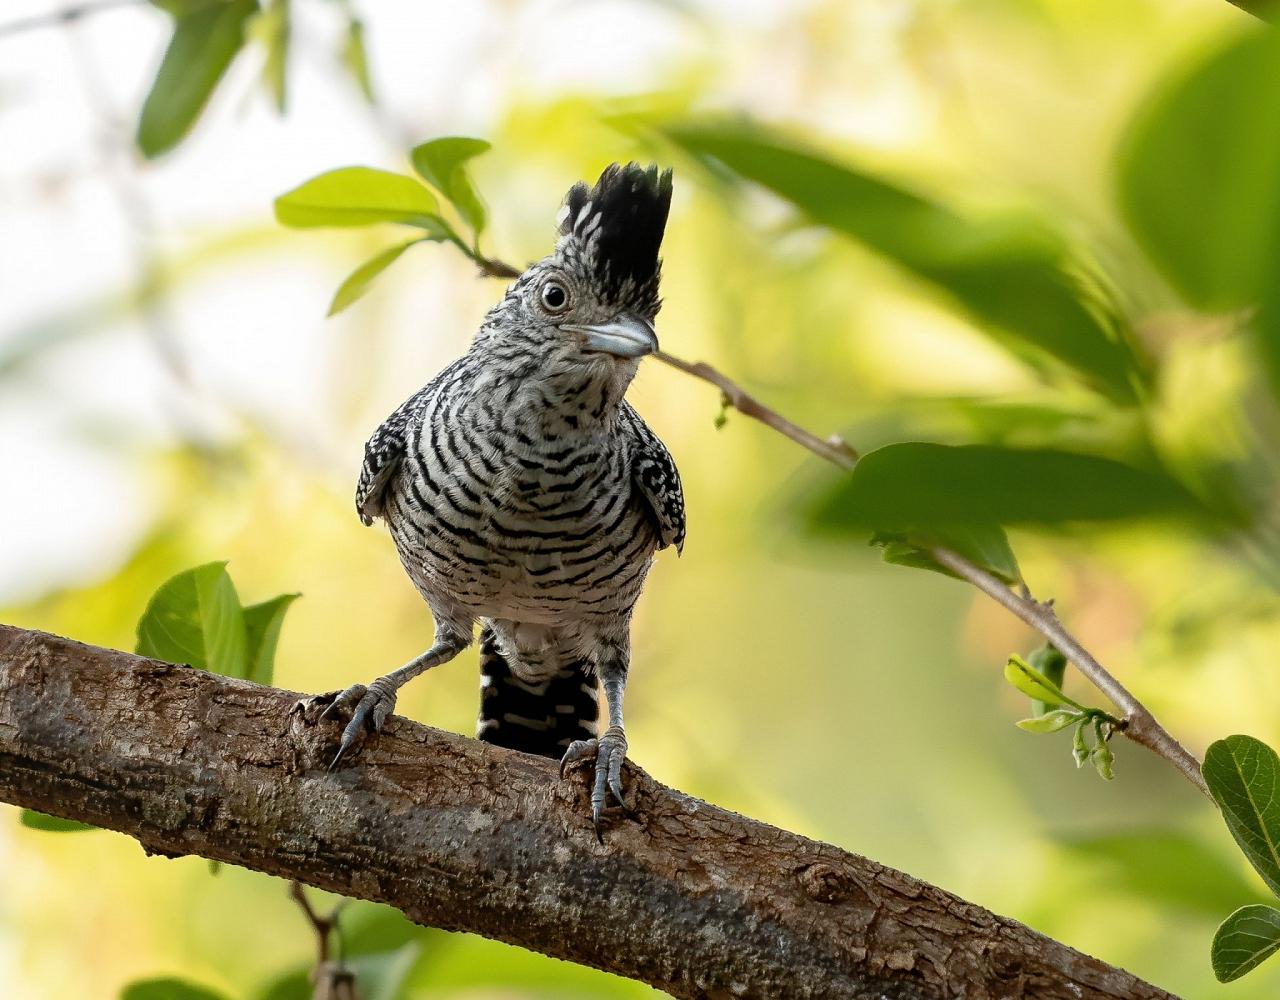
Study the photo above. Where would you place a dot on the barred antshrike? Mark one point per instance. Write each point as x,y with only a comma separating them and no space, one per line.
524,492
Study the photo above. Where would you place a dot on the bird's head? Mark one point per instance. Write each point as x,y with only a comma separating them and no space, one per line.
591,303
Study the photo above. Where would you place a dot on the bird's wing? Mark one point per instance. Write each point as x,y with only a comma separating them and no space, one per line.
654,473
382,455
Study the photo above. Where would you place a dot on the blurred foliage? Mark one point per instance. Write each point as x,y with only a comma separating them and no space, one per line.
1042,230
1009,273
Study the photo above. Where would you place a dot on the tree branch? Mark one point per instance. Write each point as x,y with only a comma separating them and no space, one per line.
465,836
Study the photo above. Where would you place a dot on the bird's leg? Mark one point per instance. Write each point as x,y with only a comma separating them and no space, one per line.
370,706
610,750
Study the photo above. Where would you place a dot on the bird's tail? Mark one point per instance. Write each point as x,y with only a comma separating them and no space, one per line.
541,719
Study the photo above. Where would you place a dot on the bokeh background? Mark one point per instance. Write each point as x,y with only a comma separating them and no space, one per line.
171,393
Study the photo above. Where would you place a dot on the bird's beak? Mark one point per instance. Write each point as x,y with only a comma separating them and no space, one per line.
627,336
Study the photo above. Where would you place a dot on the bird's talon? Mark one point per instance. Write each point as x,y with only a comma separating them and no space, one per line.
368,708
610,752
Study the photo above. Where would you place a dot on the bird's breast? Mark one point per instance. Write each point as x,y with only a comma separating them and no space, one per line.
539,534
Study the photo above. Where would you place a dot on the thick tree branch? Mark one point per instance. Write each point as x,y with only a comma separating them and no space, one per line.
458,834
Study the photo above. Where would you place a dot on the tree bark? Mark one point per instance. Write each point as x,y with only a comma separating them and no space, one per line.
687,897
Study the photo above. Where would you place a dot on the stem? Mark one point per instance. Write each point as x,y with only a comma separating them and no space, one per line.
321,925
833,449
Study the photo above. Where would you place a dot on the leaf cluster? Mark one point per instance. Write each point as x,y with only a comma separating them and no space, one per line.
365,196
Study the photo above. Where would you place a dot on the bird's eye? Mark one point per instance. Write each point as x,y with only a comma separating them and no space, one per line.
555,297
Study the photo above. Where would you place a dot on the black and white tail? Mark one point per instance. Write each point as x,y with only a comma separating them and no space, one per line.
541,719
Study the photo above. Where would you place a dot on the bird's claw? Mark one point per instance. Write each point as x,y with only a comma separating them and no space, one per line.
368,708
609,752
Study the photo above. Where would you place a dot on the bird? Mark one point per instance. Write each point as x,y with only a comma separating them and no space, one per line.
527,497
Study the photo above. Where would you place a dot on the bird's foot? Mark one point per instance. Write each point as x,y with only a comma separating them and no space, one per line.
367,708
609,751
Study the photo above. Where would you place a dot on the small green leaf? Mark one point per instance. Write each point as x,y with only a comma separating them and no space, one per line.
262,632
1243,774
918,486
215,867
1079,745
1103,761
52,824
1244,941
355,57
358,196
1034,684
195,618
1197,175
204,42
359,280
1050,722
167,988
1053,665
442,163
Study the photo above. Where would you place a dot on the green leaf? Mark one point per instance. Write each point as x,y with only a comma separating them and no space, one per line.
1079,745
204,43
52,824
985,545
167,988
1013,277
1053,665
1198,175
195,618
442,163
1103,761
359,196
270,28
355,57
1050,722
1244,941
918,485
358,281
262,632
1243,774
1034,684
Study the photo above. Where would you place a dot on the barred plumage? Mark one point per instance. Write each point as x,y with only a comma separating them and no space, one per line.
522,491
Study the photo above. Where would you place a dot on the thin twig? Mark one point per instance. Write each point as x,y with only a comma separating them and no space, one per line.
833,449
330,980
65,16
1138,724
321,925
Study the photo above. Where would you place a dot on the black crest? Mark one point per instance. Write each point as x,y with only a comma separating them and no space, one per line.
618,225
